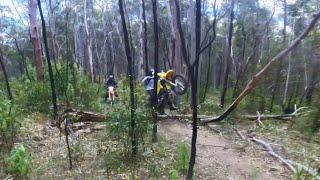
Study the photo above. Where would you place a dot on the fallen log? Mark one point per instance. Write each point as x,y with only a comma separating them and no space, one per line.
260,117
183,116
83,116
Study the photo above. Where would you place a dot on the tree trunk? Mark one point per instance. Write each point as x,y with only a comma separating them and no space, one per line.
194,86
52,22
23,59
229,58
3,67
35,40
146,61
285,94
193,75
52,83
142,58
134,144
176,56
256,78
88,64
207,77
156,67
278,71
241,69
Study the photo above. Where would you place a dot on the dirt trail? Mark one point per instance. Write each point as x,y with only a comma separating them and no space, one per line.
219,158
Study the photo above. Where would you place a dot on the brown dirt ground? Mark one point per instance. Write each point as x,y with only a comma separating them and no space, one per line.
220,158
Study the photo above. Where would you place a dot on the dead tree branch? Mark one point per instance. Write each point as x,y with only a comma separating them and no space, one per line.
84,116
270,151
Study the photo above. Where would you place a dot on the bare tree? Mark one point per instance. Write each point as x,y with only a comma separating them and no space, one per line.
193,67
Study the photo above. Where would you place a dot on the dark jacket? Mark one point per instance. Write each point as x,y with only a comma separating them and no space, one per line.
111,82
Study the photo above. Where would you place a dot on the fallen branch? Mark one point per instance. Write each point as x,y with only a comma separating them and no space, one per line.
84,116
259,116
259,119
270,151
179,116
239,134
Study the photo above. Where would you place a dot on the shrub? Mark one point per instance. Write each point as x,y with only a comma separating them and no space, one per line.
173,175
183,158
119,118
310,123
32,96
8,125
19,161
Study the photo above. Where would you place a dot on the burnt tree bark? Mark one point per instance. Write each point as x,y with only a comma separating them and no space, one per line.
130,67
156,67
52,83
193,75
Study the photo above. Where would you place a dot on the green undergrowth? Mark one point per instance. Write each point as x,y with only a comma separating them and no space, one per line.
96,155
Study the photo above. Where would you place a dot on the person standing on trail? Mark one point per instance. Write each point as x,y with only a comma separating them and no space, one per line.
149,83
111,84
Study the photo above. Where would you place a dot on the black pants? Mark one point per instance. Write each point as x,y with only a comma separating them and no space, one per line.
163,99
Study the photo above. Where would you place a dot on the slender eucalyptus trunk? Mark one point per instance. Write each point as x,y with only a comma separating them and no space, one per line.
289,69
278,71
36,40
156,67
3,67
146,61
88,64
229,58
207,77
52,83
134,144
176,52
23,59
194,86
141,59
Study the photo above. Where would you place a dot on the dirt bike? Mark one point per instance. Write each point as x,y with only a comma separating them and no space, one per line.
168,82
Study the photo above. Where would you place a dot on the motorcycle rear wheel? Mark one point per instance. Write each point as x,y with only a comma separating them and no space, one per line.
182,85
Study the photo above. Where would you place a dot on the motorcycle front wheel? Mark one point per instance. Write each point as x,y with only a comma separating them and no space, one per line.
181,84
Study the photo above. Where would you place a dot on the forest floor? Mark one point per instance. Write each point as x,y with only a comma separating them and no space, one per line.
220,155
220,158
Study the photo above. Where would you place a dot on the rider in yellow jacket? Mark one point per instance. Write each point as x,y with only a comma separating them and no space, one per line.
163,89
